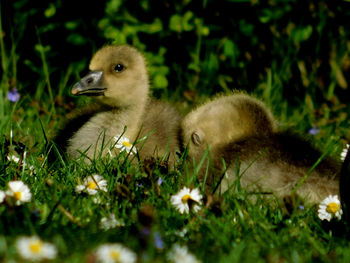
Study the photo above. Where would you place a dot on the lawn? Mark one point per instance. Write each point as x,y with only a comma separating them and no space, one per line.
133,208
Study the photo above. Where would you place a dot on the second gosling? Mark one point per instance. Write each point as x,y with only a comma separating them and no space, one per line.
243,144
223,120
281,164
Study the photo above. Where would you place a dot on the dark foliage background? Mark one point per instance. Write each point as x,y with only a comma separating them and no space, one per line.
194,47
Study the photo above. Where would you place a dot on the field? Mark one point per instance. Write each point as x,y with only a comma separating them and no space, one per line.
298,67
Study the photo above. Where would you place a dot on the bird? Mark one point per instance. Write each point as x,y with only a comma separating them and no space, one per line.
282,164
224,119
118,81
240,136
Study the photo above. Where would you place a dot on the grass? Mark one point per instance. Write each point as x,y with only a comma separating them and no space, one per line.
231,228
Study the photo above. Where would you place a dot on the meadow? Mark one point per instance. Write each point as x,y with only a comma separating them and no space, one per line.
293,56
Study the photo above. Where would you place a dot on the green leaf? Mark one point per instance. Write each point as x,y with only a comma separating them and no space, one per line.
160,82
301,34
229,48
117,36
113,6
205,31
153,28
175,23
309,103
145,4
247,29
42,49
156,26
76,39
213,63
50,11
264,19
186,21
71,25
103,23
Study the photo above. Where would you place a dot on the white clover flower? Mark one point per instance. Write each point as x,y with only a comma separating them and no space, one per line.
97,199
2,196
123,144
13,158
16,159
344,152
110,222
92,184
19,192
182,232
329,208
186,199
26,165
180,254
111,253
34,249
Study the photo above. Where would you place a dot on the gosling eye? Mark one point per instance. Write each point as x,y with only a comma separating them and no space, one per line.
118,68
196,138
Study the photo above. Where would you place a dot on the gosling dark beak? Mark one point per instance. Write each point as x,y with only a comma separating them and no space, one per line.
90,85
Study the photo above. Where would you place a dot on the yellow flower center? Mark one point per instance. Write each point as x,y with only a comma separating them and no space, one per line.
127,144
17,195
115,255
332,208
91,185
185,198
35,247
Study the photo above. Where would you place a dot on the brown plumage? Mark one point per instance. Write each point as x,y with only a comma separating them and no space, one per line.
241,136
119,83
276,164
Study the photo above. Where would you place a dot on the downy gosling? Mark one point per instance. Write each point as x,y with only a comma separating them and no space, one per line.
225,119
118,81
241,138
281,164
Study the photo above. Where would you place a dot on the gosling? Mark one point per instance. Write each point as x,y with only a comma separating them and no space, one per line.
225,119
281,164
118,81
239,132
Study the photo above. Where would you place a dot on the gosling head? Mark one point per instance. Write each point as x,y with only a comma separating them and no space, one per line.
118,77
226,119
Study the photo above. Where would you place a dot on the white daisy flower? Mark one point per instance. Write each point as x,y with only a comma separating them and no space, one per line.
181,254
123,144
186,199
92,184
2,196
13,158
79,188
344,152
329,208
34,249
112,253
19,192
110,222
